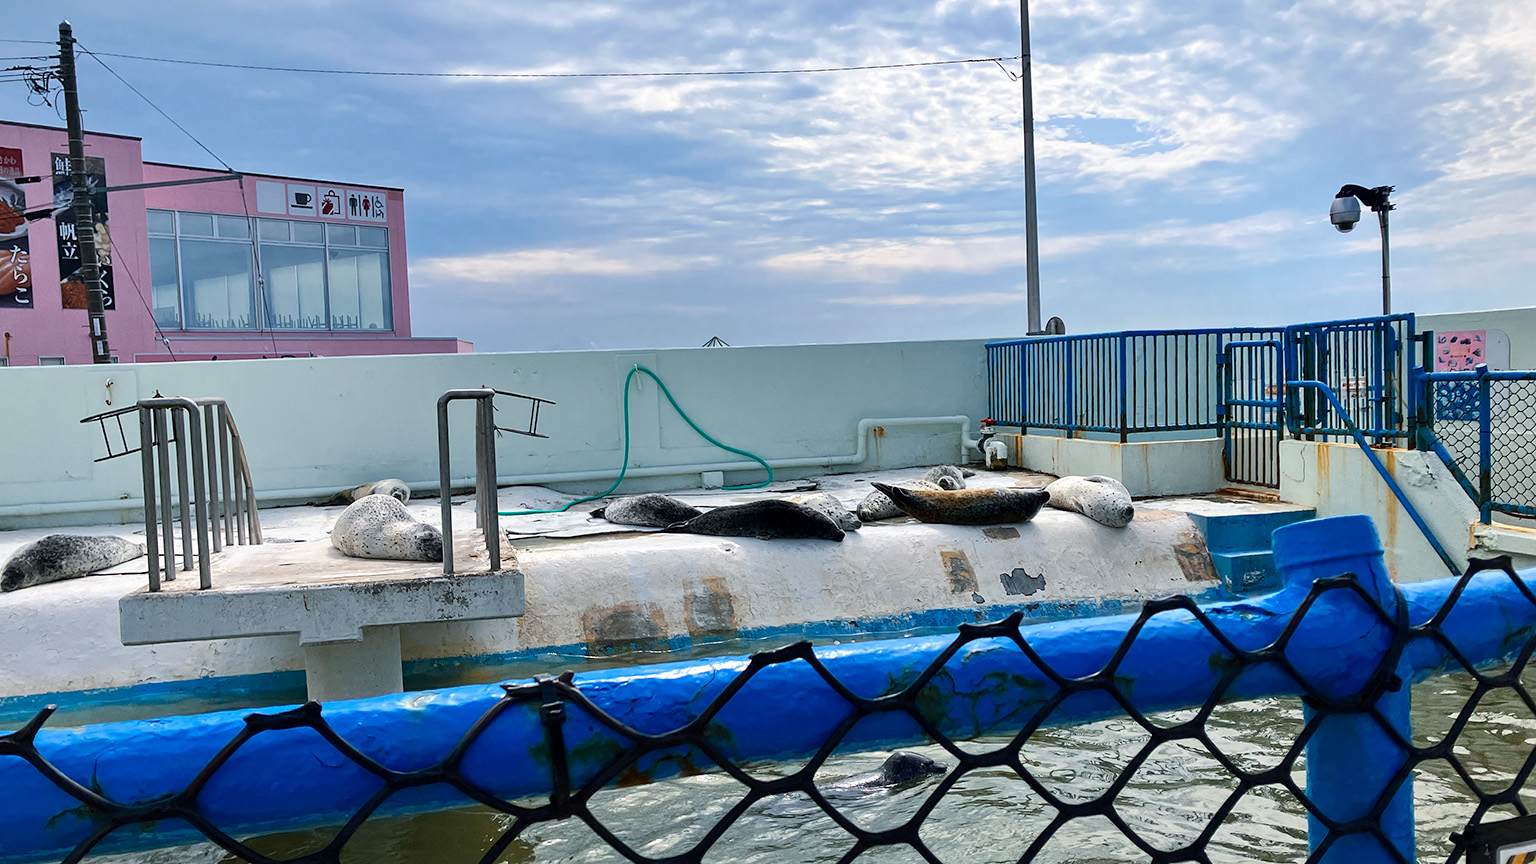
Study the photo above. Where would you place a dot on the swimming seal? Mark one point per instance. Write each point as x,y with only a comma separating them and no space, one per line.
765,520
1103,499
650,510
395,489
899,769
65,556
827,503
967,506
379,526
878,505
948,476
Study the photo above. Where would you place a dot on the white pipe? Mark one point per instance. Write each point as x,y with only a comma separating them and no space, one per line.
859,455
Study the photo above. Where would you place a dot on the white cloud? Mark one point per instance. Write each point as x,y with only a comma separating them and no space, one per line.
979,298
524,265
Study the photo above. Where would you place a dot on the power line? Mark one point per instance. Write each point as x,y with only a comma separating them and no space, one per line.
151,104
383,73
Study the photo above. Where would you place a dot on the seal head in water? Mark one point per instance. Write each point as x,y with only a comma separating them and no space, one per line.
967,506
766,520
65,556
900,769
1103,499
379,526
650,510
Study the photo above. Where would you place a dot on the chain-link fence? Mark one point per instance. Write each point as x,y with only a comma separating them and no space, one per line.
992,698
1486,423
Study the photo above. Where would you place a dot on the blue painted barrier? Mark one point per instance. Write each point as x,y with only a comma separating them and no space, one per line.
1336,640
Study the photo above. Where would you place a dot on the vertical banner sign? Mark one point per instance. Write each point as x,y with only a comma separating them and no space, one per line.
15,251
71,282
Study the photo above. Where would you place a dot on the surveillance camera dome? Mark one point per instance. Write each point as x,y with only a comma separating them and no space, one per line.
1345,213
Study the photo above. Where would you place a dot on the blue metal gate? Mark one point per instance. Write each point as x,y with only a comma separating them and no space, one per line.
1251,410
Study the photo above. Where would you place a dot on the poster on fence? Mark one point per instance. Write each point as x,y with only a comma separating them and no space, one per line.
1464,351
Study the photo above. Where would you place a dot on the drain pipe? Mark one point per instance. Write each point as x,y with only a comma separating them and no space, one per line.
859,455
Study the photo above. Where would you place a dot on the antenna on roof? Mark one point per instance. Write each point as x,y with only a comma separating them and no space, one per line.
716,342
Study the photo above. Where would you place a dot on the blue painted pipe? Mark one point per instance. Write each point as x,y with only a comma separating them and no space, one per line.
285,780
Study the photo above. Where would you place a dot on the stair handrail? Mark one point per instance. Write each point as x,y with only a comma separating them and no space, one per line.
1364,445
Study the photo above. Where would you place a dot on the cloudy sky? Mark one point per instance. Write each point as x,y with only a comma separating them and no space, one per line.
1188,151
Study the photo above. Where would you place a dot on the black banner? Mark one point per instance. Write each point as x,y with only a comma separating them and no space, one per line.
15,249
71,282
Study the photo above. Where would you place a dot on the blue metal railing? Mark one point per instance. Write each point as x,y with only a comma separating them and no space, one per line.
1121,383
1366,362
1482,424
1347,644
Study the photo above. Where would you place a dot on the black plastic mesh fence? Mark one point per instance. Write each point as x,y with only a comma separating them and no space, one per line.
1444,755
1512,448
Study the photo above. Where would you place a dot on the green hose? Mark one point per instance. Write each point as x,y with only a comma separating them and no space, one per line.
624,468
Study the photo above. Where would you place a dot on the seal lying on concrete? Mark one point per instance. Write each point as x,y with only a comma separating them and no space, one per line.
650,510
1103,499
765,520
395,489
877,505
967,506
948,476
379,526
827,503
65,556
899,769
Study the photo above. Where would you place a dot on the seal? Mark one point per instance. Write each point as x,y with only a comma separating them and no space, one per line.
967,506
827,503
65,556
877,505
901,768
379,526
395,489
948,476
765,520
650,510
1105,500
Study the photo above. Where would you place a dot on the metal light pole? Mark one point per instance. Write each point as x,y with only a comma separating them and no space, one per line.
1031,231
1346,212
85,220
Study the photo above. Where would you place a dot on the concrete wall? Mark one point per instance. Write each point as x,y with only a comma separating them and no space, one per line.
1153,468
1338,480
1518,324
319,424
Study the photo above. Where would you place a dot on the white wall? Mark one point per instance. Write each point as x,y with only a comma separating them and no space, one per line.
330,423
1518,324
1153,468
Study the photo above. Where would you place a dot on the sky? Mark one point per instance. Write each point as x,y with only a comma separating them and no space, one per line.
1188,152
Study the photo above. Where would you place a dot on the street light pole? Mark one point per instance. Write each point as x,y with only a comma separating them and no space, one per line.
1386,264
1031,231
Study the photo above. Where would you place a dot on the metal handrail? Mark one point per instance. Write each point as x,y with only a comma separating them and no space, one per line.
221,507
486,509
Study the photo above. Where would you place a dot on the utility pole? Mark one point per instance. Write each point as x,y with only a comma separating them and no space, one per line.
85,220
1031,231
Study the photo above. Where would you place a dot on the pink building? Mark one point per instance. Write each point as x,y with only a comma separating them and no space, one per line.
259,267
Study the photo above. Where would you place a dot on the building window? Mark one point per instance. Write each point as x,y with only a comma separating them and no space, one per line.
314,276
50,361
4,362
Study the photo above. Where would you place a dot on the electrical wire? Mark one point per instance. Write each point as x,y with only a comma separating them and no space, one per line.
164,340
513,75
151,104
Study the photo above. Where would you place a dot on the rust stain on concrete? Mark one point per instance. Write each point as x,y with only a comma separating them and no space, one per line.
709,610
623,628
957,567
1194,559
1000,532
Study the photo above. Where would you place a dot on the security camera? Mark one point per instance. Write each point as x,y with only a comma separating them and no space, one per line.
1345,213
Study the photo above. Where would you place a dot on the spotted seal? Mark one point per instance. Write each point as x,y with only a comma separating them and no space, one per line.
1103,499
948,476
65,556
901,768
827,503
650,510
379,526
967,506
396,489
766,520
877,505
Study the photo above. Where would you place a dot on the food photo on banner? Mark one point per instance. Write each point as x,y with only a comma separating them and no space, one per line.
71,280
15,249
